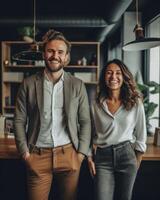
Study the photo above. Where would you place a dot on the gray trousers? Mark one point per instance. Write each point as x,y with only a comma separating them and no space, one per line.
116,169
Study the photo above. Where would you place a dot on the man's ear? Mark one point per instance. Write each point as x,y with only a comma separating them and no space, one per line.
67,59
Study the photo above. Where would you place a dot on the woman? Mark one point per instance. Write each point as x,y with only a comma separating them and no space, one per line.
120,133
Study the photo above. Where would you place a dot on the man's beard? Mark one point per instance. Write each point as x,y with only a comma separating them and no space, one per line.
50,69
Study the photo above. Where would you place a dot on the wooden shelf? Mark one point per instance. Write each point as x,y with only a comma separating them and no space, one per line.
10,84
91,83
152,153
34,66
9,107
82,67
23,66
12,81
8,148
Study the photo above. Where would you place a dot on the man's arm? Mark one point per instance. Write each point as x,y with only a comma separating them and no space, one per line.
84,121
20,120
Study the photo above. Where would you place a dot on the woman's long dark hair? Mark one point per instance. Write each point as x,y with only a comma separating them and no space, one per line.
129,92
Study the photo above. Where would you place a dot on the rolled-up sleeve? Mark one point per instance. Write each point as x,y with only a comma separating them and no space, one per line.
140,129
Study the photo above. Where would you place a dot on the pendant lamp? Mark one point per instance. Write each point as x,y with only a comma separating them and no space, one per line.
140,42
33,53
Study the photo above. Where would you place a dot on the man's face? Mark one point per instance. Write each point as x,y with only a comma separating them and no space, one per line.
55,55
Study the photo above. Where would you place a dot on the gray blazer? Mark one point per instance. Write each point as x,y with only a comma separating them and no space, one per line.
29,106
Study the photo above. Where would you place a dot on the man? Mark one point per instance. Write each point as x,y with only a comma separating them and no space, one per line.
52,123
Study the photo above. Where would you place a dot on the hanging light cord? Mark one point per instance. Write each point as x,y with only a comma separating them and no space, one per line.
137,12
34,20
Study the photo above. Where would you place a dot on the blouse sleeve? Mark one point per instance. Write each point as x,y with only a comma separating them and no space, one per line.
140,129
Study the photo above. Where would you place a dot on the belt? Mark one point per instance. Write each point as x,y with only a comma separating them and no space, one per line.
115,146
50,149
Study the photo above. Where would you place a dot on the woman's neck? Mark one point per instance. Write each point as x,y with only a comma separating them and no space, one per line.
114,96
114,102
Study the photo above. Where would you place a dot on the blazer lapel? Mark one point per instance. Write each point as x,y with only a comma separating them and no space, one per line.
39,92
67,92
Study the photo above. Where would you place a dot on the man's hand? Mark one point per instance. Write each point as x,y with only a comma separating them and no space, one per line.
25,156
80,157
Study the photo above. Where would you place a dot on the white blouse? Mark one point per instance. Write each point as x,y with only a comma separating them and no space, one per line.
121,126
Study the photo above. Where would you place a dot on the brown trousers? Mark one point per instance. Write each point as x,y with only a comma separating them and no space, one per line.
45,164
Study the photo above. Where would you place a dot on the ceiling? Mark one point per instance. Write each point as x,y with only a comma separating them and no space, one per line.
78,20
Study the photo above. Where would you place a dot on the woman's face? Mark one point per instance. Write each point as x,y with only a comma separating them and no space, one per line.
113,77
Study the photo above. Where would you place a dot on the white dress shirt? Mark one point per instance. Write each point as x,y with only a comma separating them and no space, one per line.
53,131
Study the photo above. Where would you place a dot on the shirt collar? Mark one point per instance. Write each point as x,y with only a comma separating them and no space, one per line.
46,78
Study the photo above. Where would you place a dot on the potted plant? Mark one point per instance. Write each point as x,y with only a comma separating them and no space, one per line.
150,88
27,33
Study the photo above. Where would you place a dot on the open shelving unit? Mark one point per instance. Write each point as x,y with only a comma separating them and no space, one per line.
13,72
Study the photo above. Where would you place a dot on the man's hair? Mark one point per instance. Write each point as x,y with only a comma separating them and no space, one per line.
55,35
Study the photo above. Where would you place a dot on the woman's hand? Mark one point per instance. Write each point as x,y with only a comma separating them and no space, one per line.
139,157
91,166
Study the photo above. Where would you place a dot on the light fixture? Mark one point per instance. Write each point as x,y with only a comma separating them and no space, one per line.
140,42
33,53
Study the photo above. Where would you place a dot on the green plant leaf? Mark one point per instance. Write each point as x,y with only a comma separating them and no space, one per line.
154,87
151,87
27,31
143,87
150,108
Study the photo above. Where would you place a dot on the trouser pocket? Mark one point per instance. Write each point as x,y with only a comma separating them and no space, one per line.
66,160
